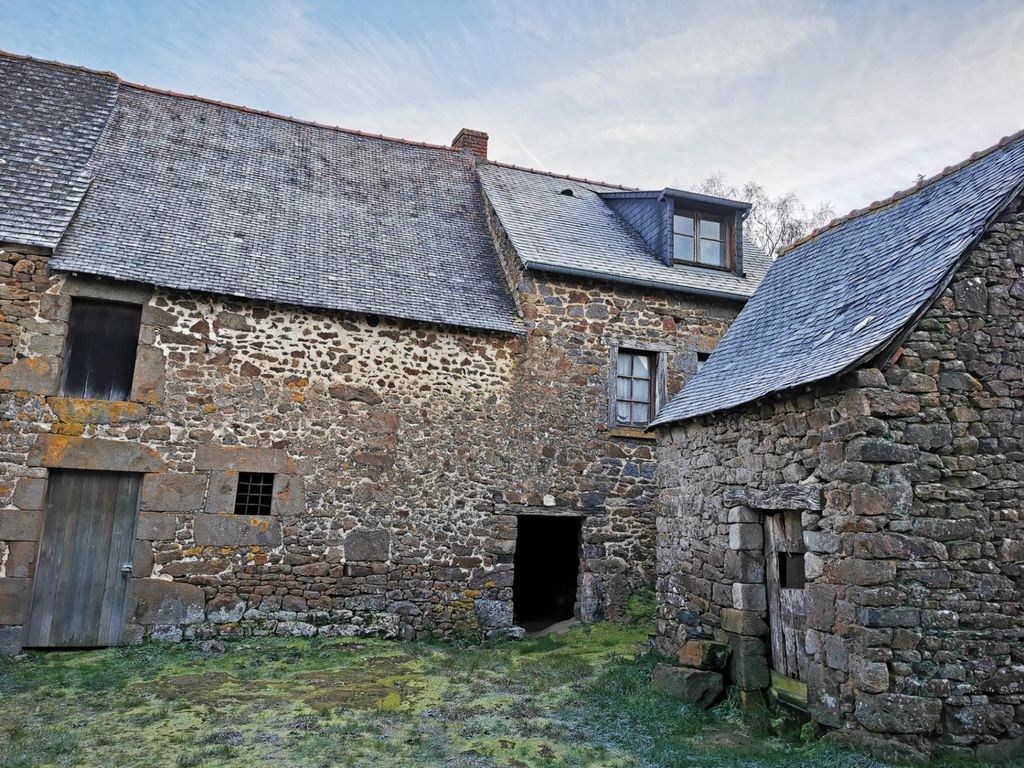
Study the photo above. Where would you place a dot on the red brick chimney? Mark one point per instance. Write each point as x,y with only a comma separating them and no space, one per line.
473,141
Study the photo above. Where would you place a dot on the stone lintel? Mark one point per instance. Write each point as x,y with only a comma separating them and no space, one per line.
65,452
106,290
243,459
79,411
784,496
528,511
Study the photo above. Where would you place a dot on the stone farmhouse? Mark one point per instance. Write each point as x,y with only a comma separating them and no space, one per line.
264,376
843,483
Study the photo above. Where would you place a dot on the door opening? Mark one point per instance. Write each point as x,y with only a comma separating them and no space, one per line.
787,615
84,560
547,566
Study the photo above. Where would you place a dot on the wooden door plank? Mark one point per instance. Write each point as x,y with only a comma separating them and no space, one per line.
75,577
792,532
44,592
775,623
93,572
88,530
122,535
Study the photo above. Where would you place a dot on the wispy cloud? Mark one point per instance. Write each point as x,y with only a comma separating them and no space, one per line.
840,101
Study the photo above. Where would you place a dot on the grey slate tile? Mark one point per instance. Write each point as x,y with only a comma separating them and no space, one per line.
50,119
848,292
581,232
198,196
131,183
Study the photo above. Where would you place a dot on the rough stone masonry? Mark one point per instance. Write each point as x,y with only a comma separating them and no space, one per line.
909,483
403,453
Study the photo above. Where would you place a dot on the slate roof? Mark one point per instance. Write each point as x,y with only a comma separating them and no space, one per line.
128,182
841,296
582,235
199,196
50,119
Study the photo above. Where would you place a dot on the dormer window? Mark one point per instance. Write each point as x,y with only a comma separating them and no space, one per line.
685,228
701,238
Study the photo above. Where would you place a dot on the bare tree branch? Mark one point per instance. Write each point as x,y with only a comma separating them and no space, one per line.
774,221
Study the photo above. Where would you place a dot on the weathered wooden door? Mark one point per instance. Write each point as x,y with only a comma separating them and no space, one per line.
84,559
787,616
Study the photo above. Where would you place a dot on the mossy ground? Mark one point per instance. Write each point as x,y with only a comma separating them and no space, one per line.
582,699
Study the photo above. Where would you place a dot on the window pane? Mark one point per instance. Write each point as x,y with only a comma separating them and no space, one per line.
711,229
624,364
622,412
622,388
641,391
712,252
640,413
683,225
641,366
683,248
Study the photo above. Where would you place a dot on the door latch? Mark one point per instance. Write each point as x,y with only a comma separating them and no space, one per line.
126,568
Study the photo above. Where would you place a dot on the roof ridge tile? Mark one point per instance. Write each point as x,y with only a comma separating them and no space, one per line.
60,64
225,104
568,177
903,193
286,118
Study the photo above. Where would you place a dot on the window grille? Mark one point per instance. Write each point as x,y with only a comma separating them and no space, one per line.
255,493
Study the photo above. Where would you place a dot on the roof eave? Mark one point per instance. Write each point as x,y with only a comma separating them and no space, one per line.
514,328
710,200
638,281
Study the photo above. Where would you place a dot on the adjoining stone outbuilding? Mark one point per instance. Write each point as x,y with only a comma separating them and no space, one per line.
263,376
842,485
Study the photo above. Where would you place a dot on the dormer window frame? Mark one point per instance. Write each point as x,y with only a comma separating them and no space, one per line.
726,222
651,213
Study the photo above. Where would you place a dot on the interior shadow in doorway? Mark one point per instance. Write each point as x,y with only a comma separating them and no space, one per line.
547,565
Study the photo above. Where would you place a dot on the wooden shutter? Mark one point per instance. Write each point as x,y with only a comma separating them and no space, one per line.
100,356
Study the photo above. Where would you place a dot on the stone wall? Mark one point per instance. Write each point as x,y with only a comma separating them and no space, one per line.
910,481
403,454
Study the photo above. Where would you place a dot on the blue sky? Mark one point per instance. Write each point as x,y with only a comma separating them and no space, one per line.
844,102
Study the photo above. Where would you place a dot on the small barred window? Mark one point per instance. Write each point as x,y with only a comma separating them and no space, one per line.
255,493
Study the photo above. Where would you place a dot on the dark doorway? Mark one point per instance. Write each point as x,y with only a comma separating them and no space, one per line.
547,566
84,559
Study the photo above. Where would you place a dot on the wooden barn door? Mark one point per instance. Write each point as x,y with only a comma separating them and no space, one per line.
787,616
84,559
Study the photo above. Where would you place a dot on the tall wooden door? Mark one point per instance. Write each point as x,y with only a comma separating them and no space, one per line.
84,559
787,615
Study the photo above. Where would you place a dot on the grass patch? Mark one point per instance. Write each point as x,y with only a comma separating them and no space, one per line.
582,699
